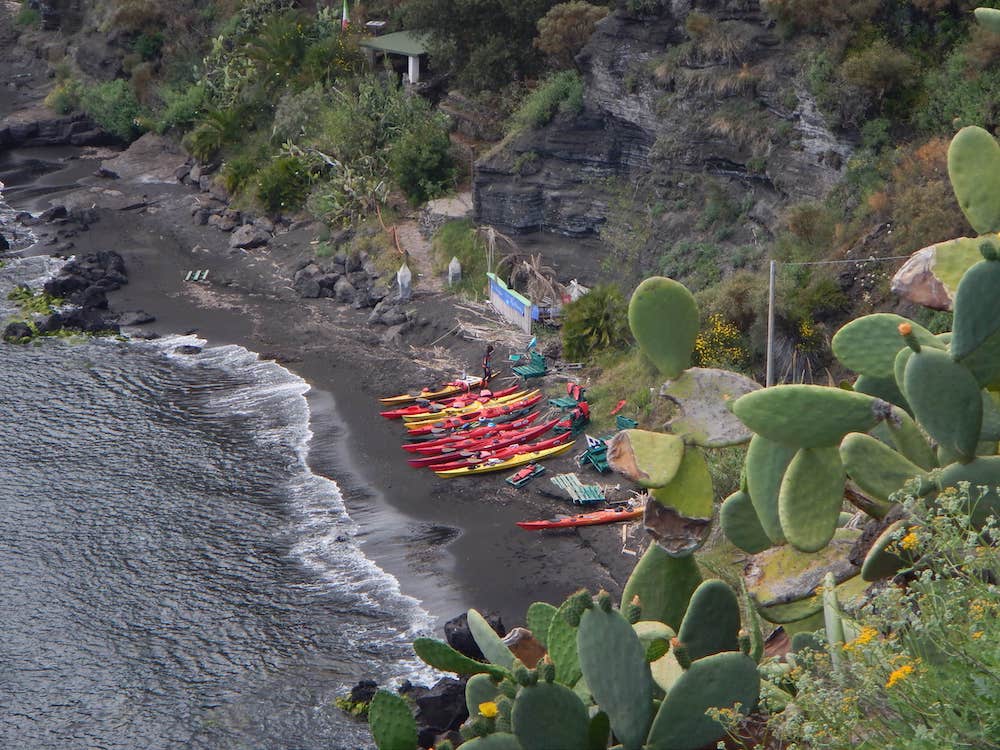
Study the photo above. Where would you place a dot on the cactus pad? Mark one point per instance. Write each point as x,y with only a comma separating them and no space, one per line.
491,644
703,396
599,732
442,656
663,316
807,416
741,525
765,466
989,19
712,621
883,388
973,167
717,681
811,494
613,660
479,689
538,618
651,459
664,585
977,308
690,492
391,722
984,362
497,741
782,575
909,440
868,345
561,643
548,716
945,399
875,467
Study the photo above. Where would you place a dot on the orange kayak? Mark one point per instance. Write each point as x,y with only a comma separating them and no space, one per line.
608,515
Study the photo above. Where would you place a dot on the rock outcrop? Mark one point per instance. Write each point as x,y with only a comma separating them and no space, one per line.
704,91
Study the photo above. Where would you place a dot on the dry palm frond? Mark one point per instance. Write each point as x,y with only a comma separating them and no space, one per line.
529,275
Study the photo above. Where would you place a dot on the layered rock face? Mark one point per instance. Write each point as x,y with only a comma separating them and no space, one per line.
702,88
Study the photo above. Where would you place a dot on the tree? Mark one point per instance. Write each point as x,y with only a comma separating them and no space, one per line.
485,43
564,30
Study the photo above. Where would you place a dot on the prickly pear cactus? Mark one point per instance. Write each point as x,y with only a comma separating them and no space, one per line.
741,525
442,656
549,715
712,621
614,664
703,396
719,681
868,345
663,317
977,305
391,722
651,459
664,585
973,167
810,497
489,642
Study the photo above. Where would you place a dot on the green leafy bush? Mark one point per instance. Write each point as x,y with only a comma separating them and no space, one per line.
421,161
564,30
562,92
298,113
113,106
28,16
595,322
216,128
65,97
955,96
148,45
283,185
182,105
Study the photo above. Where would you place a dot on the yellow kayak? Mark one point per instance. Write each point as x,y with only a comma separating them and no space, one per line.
455,411
448,389
524,458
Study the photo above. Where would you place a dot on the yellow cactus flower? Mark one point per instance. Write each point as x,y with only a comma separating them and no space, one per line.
488,709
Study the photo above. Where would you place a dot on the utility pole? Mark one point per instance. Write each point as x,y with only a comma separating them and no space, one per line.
769,376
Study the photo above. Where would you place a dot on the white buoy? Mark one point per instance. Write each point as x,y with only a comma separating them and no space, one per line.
403,277
454,272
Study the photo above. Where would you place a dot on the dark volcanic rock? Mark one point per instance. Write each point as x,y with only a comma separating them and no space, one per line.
91,298
248,236
456,632
441,707
88,321
4,244
15,332
135,318
187,349
41,128
364,691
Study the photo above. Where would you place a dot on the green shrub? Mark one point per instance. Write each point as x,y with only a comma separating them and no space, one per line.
182,105
148,45
299,113
879,69
215,129
562,92
64,98
283,185
113,106
238,171
421,161
954,97
564,30
28,16
595,322
644,7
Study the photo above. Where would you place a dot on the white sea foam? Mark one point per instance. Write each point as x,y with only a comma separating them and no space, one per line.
326,537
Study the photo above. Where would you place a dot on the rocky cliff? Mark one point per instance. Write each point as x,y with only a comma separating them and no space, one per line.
702,96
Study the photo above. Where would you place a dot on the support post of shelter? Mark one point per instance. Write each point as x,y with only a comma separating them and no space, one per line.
413,69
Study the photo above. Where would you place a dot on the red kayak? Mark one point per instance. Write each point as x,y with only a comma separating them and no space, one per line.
476,447
452,429
502,454
487,413
608,515
425,407
473,442
472,431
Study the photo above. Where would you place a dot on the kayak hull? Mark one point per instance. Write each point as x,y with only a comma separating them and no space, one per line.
510,463
584,519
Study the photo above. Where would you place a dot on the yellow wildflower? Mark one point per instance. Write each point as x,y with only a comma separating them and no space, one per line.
899,674
866,635
909,542
488,709
977,635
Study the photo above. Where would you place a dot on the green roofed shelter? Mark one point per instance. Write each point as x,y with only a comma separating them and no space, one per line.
411,44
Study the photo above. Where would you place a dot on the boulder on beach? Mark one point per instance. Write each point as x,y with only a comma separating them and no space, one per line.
135,318
248,236
187,349
459,637
15,333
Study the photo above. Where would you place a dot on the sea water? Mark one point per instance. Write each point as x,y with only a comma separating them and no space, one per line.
172,573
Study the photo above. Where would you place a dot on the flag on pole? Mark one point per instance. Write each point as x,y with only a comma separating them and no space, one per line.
345,19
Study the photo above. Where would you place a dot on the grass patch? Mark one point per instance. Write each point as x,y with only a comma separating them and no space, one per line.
562,92
628,376
456,239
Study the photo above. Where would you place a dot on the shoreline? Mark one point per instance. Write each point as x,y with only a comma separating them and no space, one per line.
434,536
